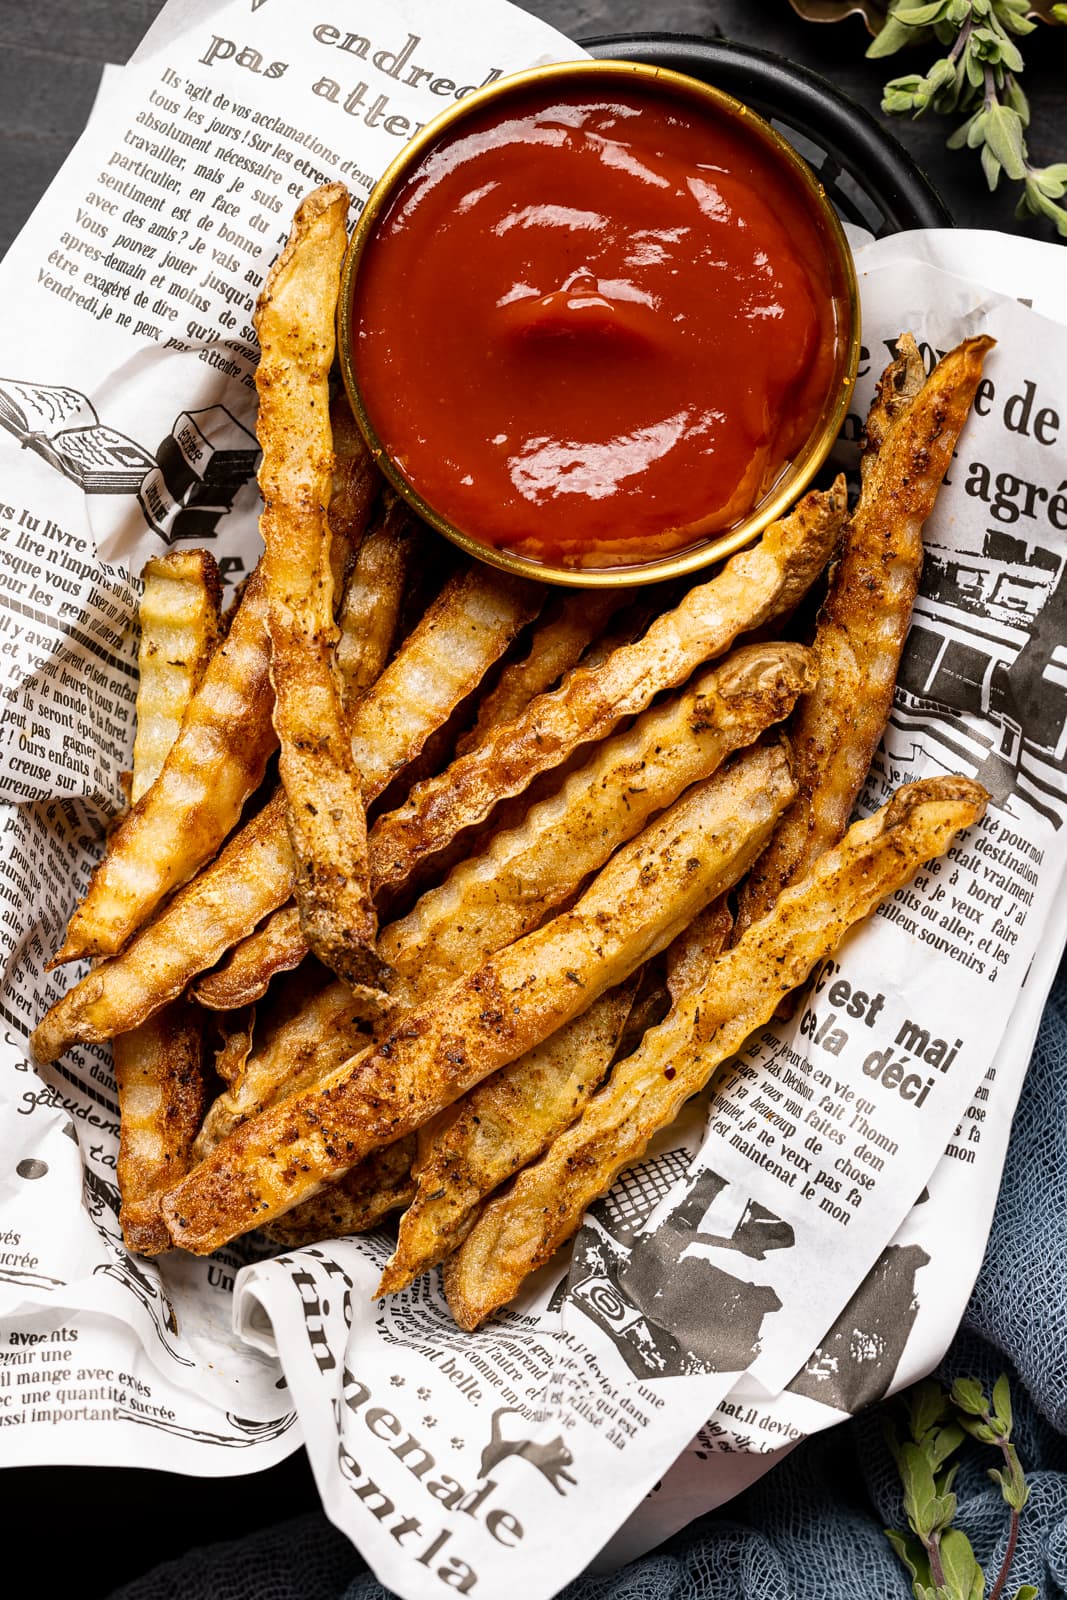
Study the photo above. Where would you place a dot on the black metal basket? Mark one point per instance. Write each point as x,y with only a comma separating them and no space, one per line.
869,177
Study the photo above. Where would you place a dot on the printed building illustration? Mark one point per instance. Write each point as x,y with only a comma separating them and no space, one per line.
987,654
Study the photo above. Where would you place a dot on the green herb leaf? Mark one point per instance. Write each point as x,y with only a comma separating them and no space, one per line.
968,1395
890,38
921,1502
927,1406
919,16
1004,136
910,1551
1026,1591
960,1567
1001,1389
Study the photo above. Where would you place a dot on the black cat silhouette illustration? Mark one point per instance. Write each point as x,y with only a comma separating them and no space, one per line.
551,1458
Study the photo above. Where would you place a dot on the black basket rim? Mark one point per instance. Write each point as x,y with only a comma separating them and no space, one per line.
809,103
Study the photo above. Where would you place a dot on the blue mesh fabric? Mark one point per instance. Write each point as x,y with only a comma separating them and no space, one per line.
811,1529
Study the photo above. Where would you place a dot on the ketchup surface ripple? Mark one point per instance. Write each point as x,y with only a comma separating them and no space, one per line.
592,328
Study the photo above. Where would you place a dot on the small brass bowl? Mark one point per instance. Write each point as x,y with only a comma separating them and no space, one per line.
797,473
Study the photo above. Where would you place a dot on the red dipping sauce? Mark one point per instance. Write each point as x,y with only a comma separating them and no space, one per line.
595,321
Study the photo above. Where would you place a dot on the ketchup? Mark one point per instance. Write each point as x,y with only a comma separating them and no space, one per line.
594,323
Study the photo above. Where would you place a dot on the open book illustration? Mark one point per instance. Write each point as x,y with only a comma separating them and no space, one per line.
61,425
183,489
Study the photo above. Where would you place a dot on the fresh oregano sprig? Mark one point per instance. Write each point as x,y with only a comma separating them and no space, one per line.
938,1556
978,80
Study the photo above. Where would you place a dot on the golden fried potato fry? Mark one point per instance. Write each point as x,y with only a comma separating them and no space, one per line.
445,656
559,640
689,958
355,484
191,933
236,1046
509,1120
179,617
327,825
466,629
355,1203
526,871
522,1229
160,1080
369,612
277,946
508,889
159,1069
754,586
327,1030
649,890
498,1127
911,433
214,765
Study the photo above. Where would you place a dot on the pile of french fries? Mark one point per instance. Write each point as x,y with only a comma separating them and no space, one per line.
440,891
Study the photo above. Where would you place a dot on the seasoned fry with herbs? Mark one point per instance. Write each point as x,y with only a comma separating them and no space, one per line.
755,586
912,431
648,892
324,798
214,765
355,1203
160,1079
526,871
278,946
159,1068
498,1127
326,1031
557,644
373,596
179,617
521,1230
194,930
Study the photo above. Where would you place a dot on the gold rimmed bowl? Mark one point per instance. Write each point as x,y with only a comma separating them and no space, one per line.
431,480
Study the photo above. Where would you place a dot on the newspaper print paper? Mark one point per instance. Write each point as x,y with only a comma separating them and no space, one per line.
810,1194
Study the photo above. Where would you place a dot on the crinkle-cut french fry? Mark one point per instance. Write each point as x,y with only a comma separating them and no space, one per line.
509,1120
278,946
327,1030
521,1229
159,1069
160,1079
327,825
355,1203
355,485
912,431
179,617
465,630
507,889
236,1045
649,890
369,612
754,586
696,947
523,873
191,933
469,626
216,762
498,1127
557,644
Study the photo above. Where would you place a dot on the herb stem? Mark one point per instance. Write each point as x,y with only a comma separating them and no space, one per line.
1009,1556
962,40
